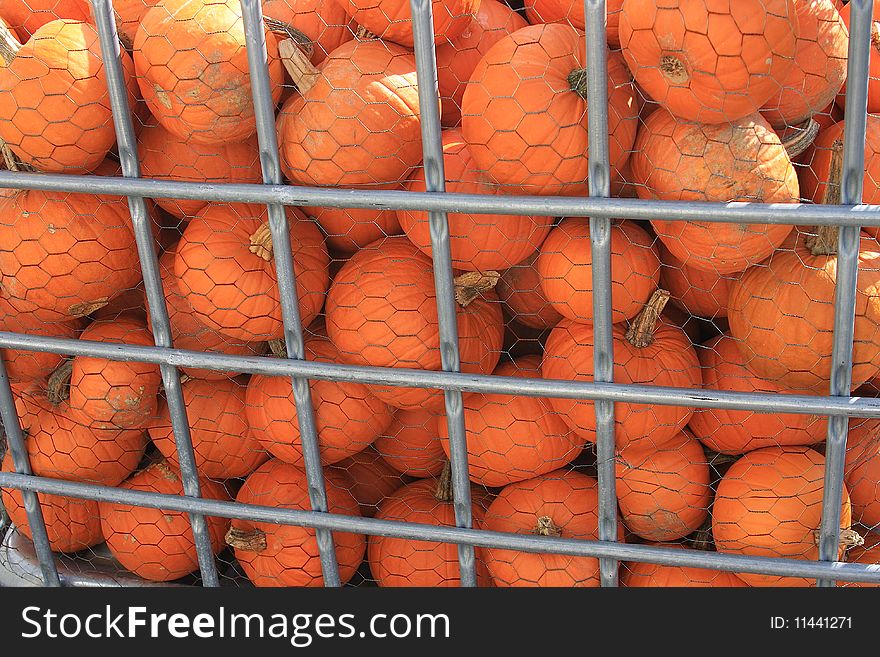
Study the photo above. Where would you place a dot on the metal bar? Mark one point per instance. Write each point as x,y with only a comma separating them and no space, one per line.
161,327
264,109
435,182
21,462
847,274
423,532
551,206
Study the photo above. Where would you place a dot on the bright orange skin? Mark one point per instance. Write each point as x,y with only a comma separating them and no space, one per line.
873,61
192,70
670,360
731,56
27,16
348,416
129,14
382,311
365,103
565,266
638,574
572,12
350,229
571,500
737,432
157,544
782,315
54,103
411,444
403,562
370,479
520,290
663,492
862,473
234,291
696,291
291,556
479,242
391,20
457,59
111,394
526,127
324,22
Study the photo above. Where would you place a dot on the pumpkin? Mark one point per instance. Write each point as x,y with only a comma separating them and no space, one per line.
678,160
226,270
565,267
873,61
54,104
862,474
63,256
522,294
192,69
363,101
404,562
110,394
382,311
370,479
663,492
572,12
325,25
391,20
524,112
348,417
736,432
869,553
561,503
648,352
638,574
157,544
709,63
28,16
513,438
696,291
769,503
287,555
457,59
350,229
129,14
478,242
411,445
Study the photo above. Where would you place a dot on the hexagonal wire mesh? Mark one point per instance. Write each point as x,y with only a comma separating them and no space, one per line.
422,391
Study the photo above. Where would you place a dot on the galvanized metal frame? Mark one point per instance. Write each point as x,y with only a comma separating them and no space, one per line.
839,406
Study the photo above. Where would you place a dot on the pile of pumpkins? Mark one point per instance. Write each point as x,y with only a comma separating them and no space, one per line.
705,102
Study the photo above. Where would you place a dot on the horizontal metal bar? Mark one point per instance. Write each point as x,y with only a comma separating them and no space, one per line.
550,206
448,534
409,378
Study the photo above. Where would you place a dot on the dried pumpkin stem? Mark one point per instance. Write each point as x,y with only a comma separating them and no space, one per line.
299,65
875,36
11,161
849,538
470,285
641,331
444,492
247,541
577,80
825,241
87,307
261,242
702,538
58,385
9,45
363,34
300,37
801,137
546,527
278,348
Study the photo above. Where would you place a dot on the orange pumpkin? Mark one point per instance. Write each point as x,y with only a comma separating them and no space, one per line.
382,311
572,12
411,445
524,113
350,229
325,24
157,544
769,503
28,16
873,61
478,242
391,20
287,555
638,574
678,160
696,291
521,292
862,474
565,266
129,14
370,479
647,353
709,63
226,270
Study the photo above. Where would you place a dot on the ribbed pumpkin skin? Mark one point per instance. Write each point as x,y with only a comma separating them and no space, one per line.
348,416
663,492
862,474
708,62
696,291
736,432
781,315
61,254
526,127
479,242
873,63
129,14
350,229
54,105
769,503
411,444
638,574
678,160
291,555
222,442
565,267
192,70
325,23
234,291
382,311
513,438
572,12
391,20
158,544
669,361
370,479
522,294
364,103
27,16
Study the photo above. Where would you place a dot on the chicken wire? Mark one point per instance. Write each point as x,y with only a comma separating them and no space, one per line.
614,489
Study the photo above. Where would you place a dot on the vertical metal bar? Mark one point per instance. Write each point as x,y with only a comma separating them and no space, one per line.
847,275
435,180
600,241
18,450
270,160
161,327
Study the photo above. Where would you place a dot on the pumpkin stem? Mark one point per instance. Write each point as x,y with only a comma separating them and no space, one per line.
363,34
11,161
577,80
800,138
248,541
702,538
849,538
300,37
444,492
58,385
546,527
9,45
674,69
278,348
87,307
875,36
825,240
641,332
470,285
261,242
299,65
